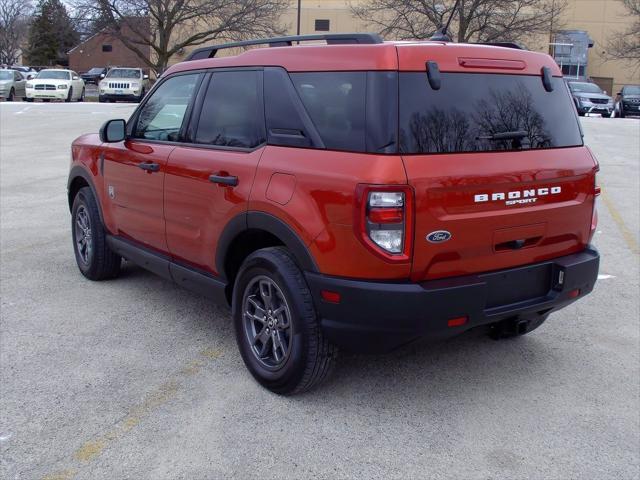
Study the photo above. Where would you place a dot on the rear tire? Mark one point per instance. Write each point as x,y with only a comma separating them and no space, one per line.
277,330
606,115
95,259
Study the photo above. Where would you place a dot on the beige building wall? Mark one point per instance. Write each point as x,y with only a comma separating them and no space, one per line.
600,18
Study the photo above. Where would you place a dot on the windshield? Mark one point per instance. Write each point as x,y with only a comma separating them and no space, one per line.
5,75
631,90
584,87
95,70
484,112
53,75
123,73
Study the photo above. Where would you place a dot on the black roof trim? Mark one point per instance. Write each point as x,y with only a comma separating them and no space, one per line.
330,38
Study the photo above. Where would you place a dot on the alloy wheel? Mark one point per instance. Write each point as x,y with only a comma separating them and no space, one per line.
82,228
267,322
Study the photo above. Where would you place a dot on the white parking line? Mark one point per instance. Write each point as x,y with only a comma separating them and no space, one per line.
605,276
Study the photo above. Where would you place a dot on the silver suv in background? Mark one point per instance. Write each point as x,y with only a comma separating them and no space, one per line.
589,98
123,84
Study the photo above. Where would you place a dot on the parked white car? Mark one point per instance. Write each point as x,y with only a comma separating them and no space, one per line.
128,84
12,84
56,84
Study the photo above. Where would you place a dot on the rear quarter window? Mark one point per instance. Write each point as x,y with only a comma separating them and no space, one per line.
352,111
469,109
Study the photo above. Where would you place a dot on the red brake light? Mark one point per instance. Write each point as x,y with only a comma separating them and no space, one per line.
384,220
386,215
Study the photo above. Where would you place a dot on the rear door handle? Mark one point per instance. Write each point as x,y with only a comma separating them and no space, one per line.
149,167
224,180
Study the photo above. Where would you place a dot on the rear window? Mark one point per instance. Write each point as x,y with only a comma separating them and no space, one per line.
484,112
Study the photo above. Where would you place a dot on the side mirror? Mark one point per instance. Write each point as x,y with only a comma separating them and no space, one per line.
605,92
75,77
113,131
102,75
145,77
619,93
30,76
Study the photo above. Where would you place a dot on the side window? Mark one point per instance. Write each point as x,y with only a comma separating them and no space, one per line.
162,115
335,102
232,113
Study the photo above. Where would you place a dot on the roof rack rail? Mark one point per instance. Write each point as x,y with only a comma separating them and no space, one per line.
331,39
504,44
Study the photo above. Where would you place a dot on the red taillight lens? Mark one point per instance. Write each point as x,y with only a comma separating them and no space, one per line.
384,220
386,215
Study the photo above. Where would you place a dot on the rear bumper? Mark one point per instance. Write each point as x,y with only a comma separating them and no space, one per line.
378,317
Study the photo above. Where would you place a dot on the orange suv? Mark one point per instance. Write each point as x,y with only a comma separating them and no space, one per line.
357,194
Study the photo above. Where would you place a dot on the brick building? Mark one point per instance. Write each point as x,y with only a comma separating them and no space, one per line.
104,50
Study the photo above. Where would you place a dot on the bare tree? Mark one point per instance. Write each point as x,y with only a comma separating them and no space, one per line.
174,25
14,25
625,45
473,21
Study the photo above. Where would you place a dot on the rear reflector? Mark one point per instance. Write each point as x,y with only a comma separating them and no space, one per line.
574,293
329,296
457,322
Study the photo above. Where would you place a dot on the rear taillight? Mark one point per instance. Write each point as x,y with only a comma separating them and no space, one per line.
384,220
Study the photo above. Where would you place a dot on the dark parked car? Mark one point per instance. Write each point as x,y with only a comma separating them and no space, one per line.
628,101
94,75
589,98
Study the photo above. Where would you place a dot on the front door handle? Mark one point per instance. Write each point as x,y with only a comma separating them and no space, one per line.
149,167
229,180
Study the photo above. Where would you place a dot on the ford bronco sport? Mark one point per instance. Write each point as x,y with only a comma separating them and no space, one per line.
359,195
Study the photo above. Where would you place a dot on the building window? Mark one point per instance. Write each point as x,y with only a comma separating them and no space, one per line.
107,48
322,25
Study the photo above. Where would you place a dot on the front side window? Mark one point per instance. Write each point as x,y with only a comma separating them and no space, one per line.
484,112
162,115
232,114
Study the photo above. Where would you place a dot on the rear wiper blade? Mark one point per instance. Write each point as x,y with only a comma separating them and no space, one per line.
504,135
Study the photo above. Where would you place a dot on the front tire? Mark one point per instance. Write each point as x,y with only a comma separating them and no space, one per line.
81,99
70,95
276,327
12,94
95,259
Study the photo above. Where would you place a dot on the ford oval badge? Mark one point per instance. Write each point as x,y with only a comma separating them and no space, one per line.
438,236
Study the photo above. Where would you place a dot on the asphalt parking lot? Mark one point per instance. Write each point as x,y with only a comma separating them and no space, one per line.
137,378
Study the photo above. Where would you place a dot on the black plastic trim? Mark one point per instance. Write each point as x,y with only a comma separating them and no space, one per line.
331,39
78,171
187,277
275,226
380,316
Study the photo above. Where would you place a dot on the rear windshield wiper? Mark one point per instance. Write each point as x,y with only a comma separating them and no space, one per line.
504,135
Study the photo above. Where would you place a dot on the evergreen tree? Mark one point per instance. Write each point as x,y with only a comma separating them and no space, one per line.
52,34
